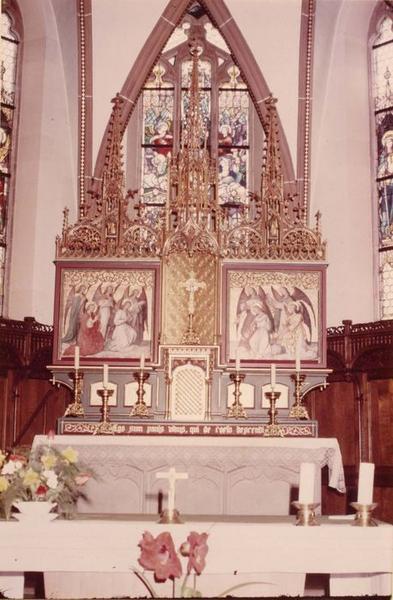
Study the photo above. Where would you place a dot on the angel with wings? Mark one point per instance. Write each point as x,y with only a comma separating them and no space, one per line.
254,321
138,312
104,297
74,307
294,317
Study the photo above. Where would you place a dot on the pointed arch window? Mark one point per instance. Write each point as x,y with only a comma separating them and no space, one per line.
233,129
10,42
382,82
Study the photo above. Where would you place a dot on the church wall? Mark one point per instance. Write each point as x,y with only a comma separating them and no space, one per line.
45,174
341,165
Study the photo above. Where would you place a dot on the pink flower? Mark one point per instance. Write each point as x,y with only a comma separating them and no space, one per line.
197,550
159,555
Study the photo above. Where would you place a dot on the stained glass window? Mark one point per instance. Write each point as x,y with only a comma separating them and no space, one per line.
7,129
229,116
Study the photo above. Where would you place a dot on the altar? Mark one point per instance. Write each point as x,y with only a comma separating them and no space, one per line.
226,476
102,554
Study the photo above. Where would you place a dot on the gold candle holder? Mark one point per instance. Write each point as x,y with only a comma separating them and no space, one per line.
140,409
306,513
237,410
75,409
298,410
105,425
170,516
273,429
363,516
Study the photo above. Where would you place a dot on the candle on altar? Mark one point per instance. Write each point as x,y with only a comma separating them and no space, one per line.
237,365
272,375
142,361
297,358
307,483
105,376
366,483
76,358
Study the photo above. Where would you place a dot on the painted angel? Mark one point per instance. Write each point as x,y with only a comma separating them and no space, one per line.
294,318
254,320
104,297
74,307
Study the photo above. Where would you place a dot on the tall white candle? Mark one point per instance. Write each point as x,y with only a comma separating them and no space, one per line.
366,483
76,358
142,362
237,366
272,375
307,483
105,375
297,358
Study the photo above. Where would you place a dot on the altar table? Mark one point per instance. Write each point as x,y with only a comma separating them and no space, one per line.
271,550
227,476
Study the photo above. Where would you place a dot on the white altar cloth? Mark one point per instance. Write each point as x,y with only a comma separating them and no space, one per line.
239,549
226,475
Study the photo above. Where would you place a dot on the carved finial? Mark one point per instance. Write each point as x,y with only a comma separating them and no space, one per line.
66,212
318,216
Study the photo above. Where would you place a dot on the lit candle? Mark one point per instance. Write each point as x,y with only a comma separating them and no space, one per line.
307,483
237,365
76,358
272,375
105,376
366,483
297,358
142,363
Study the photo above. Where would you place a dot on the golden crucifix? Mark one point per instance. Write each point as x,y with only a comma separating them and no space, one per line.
191,285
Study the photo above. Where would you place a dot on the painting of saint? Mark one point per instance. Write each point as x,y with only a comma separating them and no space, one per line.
273,318
107,314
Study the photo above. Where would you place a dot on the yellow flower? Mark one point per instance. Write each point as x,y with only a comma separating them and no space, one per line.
3,484
2,458
31,477
70,454
48,460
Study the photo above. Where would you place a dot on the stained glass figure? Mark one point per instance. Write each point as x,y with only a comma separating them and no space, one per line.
9,49
382,69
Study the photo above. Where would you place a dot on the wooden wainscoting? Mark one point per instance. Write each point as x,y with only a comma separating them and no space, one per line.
357,409
29,403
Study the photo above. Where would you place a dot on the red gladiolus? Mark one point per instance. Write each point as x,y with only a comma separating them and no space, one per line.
197,552
41,490
159,555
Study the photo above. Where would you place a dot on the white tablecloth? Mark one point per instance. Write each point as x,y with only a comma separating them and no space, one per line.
240,550
229,476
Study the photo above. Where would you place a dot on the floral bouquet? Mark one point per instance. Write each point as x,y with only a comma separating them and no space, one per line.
42,474
159,555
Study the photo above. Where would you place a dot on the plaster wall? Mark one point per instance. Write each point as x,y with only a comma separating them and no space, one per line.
46,168
341,178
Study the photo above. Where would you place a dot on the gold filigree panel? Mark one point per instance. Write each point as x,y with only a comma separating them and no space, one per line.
176,298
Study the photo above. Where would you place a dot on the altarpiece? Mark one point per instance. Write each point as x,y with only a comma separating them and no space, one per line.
184,312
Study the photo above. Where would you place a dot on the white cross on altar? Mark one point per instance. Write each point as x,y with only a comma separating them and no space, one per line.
172,477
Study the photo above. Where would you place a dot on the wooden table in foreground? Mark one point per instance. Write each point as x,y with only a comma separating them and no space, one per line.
94,557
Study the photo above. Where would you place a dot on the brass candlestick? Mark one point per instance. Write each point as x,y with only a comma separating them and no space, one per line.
105,426
237,409
306,513
273,429
75,409
170,516
363,516
298,410
140,409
